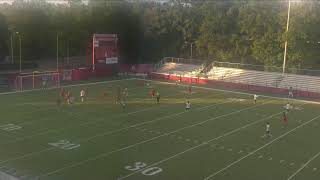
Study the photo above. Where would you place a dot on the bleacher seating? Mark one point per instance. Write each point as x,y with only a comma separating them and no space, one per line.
251,77
269,79
183,69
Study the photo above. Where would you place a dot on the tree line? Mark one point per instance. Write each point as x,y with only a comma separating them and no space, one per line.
246,31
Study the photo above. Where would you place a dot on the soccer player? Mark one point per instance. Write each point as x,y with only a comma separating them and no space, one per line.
290,95
268,133
82,95
153,92
125,94
190,89
177,83
255,98
69,97
44,82
188,105
158,97
285,119
118,96
122,103
62,93
287,107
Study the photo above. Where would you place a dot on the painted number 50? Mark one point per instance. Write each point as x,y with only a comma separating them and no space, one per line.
150,171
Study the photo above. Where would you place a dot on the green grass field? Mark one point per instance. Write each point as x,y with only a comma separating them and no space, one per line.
221,137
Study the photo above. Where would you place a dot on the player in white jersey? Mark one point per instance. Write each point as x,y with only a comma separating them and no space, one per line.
255,98
287,107
82,95
268,133
188,105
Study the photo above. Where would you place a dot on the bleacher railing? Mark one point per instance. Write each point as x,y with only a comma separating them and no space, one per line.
308,72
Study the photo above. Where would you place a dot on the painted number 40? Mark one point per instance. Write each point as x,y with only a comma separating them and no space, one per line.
150,171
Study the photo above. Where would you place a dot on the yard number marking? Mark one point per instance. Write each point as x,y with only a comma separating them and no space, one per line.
236,99
10,127
65,145
147,172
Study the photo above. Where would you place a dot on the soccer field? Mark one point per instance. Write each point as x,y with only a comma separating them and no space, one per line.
221,137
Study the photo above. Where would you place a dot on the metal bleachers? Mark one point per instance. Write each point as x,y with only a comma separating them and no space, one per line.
269,79
236,74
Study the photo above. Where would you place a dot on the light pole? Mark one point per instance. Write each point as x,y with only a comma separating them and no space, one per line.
57,52
68,51
20,56
191,48
286,42
11,44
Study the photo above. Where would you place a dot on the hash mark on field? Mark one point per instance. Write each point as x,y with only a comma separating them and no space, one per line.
167,134
314,169
281,161
240,152
291,164
270,159
260,157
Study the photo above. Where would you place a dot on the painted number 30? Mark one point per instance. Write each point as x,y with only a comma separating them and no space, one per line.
150,171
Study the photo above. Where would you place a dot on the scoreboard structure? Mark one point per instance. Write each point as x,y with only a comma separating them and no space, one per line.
104,49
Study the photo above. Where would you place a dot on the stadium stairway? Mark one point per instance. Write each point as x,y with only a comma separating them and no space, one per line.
177,68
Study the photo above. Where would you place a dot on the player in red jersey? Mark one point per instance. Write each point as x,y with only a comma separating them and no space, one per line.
62,92
153,92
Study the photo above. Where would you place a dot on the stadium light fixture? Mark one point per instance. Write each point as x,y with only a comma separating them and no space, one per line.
191,48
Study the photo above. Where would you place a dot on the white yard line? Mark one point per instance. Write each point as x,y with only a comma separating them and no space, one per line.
262,147
154,138
73,85
304,165
105,134
202,144
52,108
148,122
50,130
235,92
